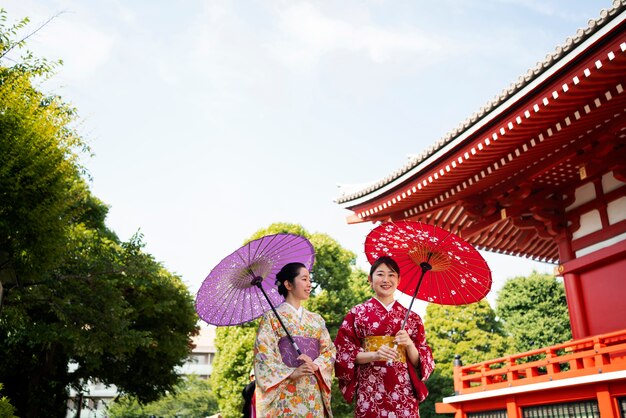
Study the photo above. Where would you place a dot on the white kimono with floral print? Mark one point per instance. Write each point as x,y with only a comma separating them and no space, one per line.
278,396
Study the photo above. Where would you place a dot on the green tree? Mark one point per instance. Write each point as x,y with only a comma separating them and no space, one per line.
73,293
471,331
38,164
6,409
191,398
231,366
339,286
439,387
534,311
111,311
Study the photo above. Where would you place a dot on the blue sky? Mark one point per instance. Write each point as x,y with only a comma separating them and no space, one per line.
212,119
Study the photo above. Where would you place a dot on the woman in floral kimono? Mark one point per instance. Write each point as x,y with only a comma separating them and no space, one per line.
288,384
387,381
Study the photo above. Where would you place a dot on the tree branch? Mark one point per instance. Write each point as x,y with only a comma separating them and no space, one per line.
21,41
86,277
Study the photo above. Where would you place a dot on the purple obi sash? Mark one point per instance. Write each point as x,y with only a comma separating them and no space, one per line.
307,345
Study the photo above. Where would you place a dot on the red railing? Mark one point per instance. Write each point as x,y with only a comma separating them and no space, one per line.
598,354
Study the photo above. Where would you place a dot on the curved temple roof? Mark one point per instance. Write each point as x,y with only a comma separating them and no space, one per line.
505,178
350,193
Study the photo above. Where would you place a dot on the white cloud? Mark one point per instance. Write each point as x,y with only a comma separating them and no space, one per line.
537,6
166,72
125,14
308,34
237,57
223,45
561,10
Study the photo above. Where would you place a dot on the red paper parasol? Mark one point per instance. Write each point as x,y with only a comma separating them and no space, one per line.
242,286
436,265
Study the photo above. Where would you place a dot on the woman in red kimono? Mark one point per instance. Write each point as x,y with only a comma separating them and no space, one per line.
387,381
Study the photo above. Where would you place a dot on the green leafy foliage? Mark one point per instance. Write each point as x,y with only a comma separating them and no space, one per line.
339,286
470,331
439,387
39,168
6,409
72,293
231,367
191,398
13,39
534,311
112,311
40,187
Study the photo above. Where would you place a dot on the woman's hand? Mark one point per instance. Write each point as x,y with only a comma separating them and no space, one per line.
305,369
402,338
307,360
386,353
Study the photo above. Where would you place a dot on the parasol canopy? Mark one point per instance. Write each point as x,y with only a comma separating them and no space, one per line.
436,266
242,286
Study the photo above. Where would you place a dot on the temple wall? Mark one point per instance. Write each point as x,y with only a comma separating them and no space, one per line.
596,275
603,292
597,223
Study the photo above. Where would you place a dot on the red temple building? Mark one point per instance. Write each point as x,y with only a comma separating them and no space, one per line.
539,172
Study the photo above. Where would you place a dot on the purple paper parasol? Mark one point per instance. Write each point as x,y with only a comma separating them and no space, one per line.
231,294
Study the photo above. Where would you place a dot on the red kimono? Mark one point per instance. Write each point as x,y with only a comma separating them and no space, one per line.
382,390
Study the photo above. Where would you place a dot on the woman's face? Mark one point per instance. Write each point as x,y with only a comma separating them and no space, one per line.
384,281
301,287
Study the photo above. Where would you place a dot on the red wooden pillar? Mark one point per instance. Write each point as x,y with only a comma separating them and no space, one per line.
605,402
576,306
511,408
574,293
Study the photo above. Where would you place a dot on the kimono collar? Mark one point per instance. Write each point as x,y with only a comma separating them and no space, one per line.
388,307
296,311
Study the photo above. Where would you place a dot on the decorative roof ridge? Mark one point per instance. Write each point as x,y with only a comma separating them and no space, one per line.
582,34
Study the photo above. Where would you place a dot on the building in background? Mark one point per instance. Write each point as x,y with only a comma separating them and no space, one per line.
200,362
539,172
97,395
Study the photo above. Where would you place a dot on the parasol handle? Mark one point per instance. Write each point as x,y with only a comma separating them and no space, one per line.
257,282
425,265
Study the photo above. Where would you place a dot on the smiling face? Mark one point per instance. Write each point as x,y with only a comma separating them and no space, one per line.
301,287
384,280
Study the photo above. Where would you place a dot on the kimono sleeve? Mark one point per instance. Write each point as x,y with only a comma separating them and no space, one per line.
427,362
348,345
326,359
269,368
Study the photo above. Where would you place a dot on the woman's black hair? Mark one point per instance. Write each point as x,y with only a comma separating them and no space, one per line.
289,272
388,261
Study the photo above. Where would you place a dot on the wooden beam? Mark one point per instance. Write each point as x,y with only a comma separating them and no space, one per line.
477,227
